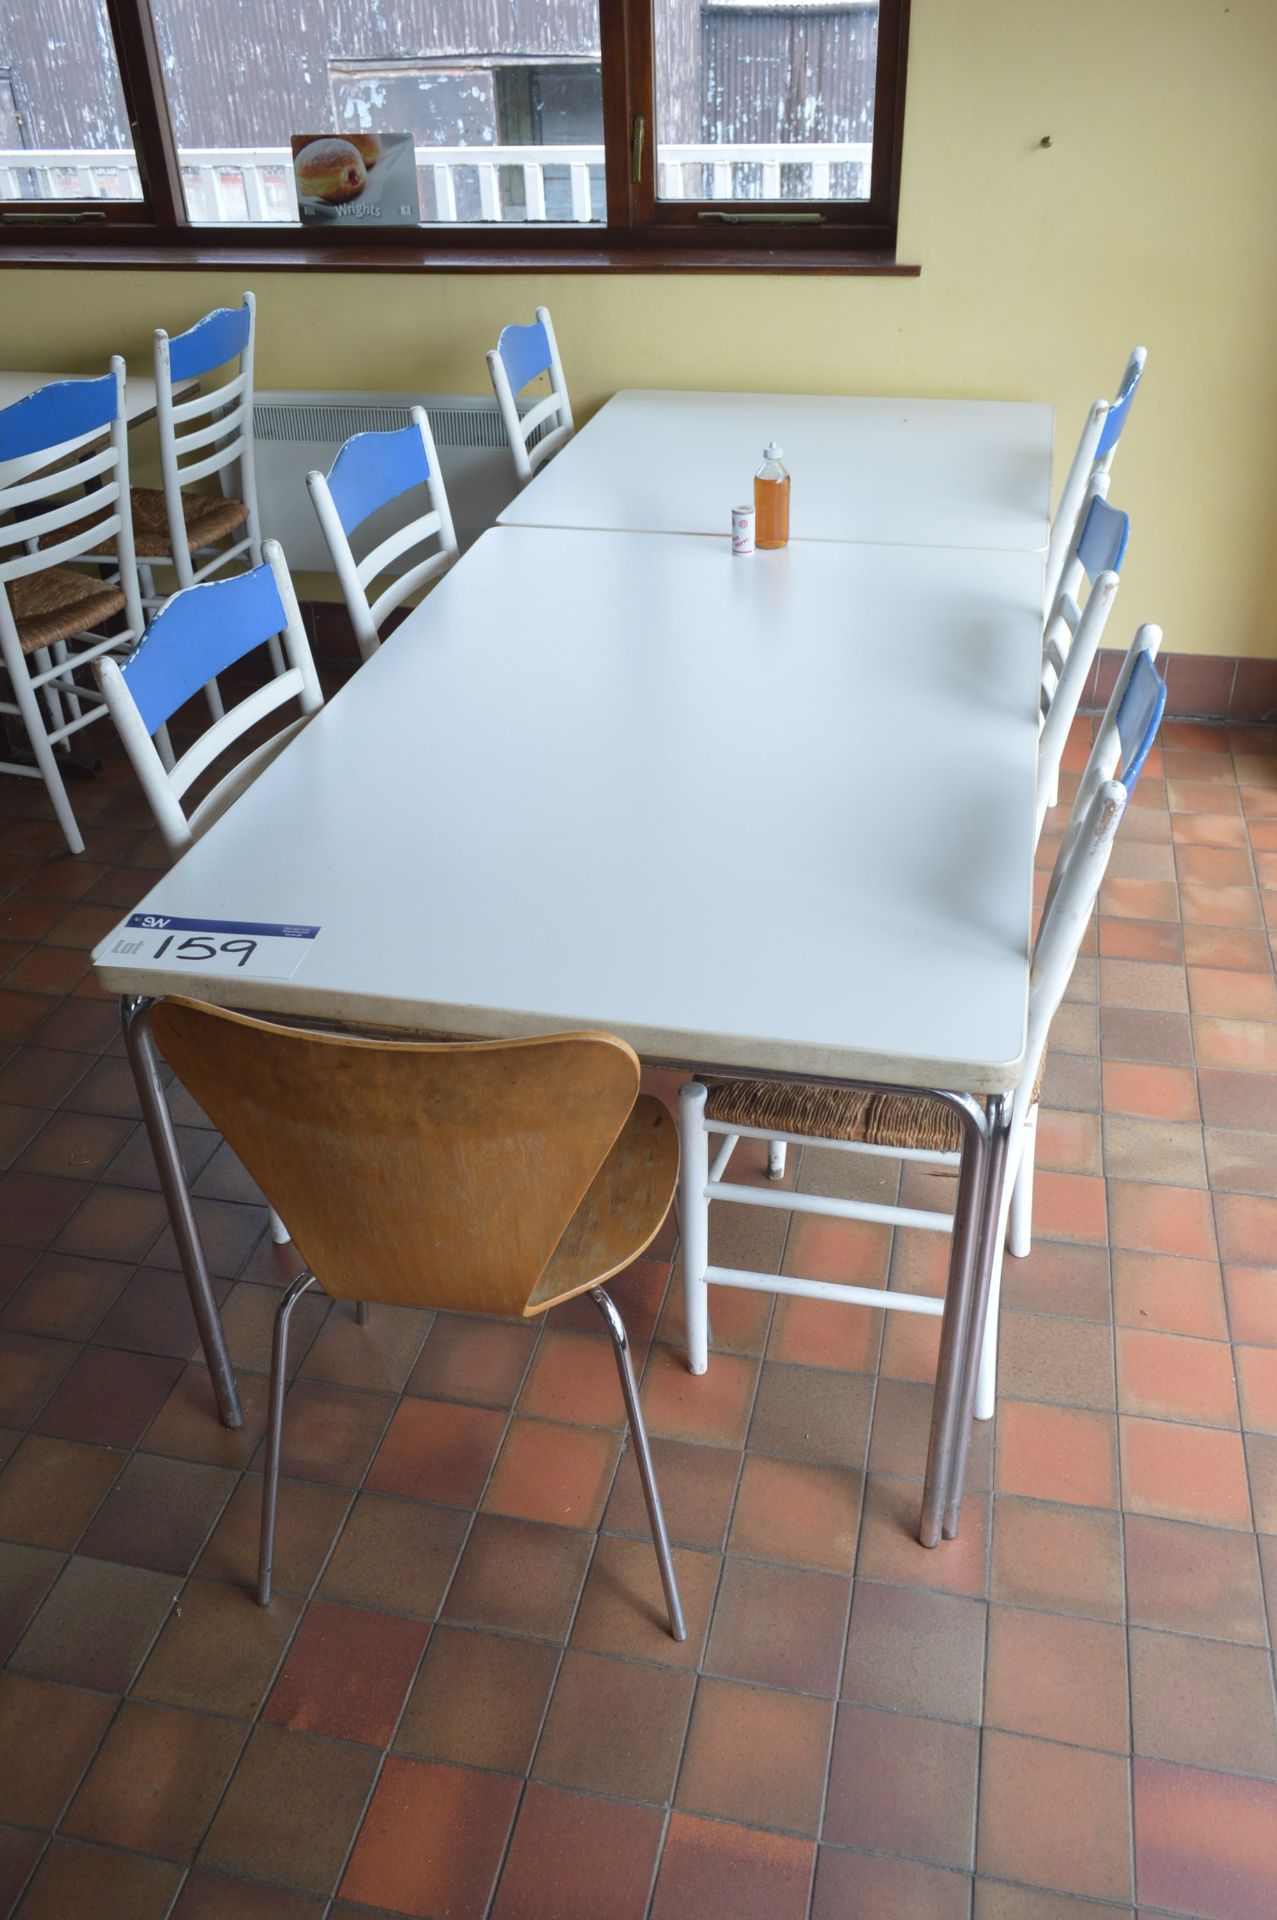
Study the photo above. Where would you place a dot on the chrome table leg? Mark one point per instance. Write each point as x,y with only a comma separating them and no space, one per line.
144,1060
959,1291
643,1457
275,1434
999,1123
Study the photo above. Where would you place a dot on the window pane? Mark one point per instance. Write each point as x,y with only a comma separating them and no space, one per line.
64,129
512,131
765,100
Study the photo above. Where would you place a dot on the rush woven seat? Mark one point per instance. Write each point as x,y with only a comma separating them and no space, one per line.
788,1109
58,604
208,517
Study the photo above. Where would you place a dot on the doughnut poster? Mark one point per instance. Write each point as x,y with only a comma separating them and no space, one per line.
366,177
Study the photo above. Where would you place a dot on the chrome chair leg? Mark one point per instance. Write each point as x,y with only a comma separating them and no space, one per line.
275,1434
361,1313
643,1456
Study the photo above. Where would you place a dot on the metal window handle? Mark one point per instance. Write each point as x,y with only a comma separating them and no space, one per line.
638,133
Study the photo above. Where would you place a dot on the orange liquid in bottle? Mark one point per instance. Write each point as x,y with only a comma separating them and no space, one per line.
771,509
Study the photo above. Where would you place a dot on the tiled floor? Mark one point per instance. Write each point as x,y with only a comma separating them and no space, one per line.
462,1702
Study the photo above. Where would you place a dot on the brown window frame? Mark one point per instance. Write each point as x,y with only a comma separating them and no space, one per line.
640,233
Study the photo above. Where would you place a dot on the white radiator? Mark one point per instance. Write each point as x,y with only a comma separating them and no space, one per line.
294,432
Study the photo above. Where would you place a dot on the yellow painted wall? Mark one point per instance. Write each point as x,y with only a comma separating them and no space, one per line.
1151,217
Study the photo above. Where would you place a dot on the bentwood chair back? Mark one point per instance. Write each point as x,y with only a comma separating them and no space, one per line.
916,1127
1093,460
197,635
51,612
481,1177
521,355
371,471
1072,633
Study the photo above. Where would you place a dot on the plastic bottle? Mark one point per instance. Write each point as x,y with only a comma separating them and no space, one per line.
771,501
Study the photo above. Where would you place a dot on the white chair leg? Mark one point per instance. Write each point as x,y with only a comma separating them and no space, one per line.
987,1380
1020,1222
694,1220
45,758
53,704
775,1159
277,661
278,1231
213,694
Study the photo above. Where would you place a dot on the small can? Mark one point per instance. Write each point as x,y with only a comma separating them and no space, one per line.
742,529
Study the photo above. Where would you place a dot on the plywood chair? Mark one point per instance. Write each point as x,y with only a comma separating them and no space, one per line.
481,1177
521,355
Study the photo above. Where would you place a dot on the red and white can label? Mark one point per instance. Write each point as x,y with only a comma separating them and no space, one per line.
742,529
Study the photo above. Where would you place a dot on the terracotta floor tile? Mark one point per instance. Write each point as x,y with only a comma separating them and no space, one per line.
825,1333
30,1369
157,1781
1045,1357
573,1378
395,1554
35,1206
1160,1219
1230,995
1085,1847
1056,1453
789,1511
1172,1378
712,1870
1149,1090
96,1625
159,1513
1162,1150
347,1674
1072,1080
77,1145
1219,906
1205,1843
48,1735
331,1434
861,1886
220,1652
26,1574
1252,1304
615,1727
637,1294
109,1398
779,1626
1248,1046
698,1486
1247,1227
187,1425
293,1806
623,1609
1133,1033
1064,1559
847,1251
74,1879
1261,1462
558,1474
307,1521
1143,983
1193,1579
1241,948
114,1223
1156,941
1059,1277
379,1356
901,1432
1202,1702
812,1414
915,1651
517,1575
1069,1206
996,1900
1257,1387
433,1840
755,1755
1057,1678
1238,1099
1242,1162
472,1359
574,1856
1160,1292
248,1318
902,1785
1139,899
64,1297
214,1896
713,1406
1183,1472
19,1852
739,1320
478,1700
1068,1142
889,1547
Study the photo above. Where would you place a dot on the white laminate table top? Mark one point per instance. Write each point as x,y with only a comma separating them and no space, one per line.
772,812
931,473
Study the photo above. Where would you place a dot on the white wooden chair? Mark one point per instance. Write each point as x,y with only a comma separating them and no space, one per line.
51,611
371,471
916,1128
1092,461
1072,634
201,632
521,355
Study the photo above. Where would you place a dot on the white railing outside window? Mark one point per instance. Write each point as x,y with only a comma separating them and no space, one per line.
250,184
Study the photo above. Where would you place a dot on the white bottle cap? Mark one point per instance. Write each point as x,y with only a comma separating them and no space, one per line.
772,452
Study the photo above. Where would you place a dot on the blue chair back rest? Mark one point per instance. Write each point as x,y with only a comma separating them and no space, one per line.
56,413
220,336
202,631
525,352
1139,715
1102,545
1119,411
374,468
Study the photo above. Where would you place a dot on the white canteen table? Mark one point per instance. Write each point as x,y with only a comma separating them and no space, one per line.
921,473
511,821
